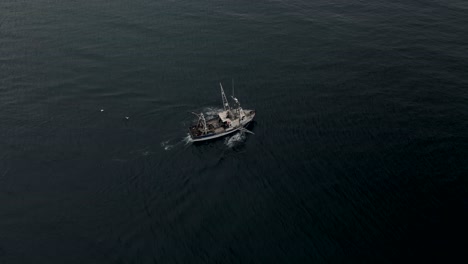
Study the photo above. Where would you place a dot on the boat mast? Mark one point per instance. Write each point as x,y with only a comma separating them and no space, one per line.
202,120
238,106
202,117
238,110
225,101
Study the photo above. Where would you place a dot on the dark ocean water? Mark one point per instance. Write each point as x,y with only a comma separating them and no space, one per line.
359,153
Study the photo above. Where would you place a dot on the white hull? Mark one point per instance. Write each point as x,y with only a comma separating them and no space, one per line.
227,132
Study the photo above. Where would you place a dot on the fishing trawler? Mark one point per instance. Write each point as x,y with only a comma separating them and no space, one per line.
224,123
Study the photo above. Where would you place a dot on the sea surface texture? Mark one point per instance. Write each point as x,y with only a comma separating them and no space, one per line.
360,152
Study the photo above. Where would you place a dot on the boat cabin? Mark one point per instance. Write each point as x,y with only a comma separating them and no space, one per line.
225,118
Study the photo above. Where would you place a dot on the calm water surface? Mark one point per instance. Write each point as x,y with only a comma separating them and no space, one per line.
359,153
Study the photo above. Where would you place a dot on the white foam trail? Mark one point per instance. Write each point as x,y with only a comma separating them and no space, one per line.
187,140
234,140
166,145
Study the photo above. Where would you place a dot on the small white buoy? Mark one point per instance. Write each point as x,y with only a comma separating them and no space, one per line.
127,117
102,110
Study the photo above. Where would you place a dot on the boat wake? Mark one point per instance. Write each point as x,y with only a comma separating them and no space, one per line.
235,140
166,145
187,139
